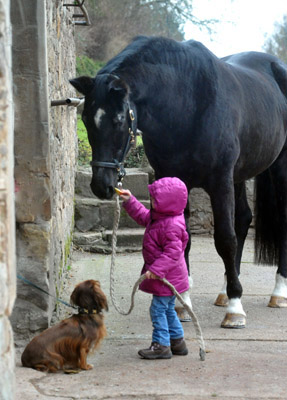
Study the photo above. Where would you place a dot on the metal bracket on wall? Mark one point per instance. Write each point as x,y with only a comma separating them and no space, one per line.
75,102
80,4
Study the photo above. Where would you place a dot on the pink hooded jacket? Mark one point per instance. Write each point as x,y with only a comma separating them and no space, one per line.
165,236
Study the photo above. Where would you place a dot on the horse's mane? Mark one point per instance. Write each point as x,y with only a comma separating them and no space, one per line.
149,50
149,64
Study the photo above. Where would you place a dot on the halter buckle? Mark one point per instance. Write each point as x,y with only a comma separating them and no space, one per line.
132,135
132,115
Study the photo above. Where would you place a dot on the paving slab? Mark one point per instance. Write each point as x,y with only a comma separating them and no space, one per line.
243,364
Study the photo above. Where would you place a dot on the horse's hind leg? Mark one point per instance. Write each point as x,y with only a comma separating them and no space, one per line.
243,218
223,205
187,249
278,173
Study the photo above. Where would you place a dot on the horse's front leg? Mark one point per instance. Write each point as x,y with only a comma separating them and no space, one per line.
187,249
181,311
223,205
243,218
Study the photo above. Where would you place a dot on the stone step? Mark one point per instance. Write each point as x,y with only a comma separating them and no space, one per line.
128,240
94,218
98,215
126,237
136,181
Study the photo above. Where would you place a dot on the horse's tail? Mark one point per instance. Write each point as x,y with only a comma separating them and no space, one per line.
266,220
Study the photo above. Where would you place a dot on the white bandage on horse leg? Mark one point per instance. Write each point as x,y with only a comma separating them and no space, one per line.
235,307
223,289
185,295
186,298
280,289
190,280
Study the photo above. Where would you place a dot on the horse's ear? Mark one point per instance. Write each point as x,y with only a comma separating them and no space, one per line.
83,84
119,87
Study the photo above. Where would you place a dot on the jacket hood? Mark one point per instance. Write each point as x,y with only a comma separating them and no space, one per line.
170,196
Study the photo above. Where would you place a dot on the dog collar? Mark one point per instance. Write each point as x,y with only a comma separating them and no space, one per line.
85,311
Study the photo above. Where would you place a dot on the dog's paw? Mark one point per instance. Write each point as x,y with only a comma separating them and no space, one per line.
89,366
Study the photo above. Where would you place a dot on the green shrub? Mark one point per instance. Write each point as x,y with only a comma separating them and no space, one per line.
85,151
135,156
87,66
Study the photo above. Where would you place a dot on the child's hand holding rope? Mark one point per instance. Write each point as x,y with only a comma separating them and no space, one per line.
150,275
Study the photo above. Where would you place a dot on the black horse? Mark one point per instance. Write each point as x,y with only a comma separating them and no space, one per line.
214,123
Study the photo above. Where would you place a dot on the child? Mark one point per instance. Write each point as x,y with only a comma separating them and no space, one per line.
164,243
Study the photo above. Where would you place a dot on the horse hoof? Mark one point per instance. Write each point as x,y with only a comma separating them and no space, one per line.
183,314
234,321
277,302
222,300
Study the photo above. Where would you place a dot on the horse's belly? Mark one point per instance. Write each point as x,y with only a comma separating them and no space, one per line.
257,158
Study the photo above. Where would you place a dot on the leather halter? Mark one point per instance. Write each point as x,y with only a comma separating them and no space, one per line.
116,164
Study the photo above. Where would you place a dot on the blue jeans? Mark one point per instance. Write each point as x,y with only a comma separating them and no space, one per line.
164,319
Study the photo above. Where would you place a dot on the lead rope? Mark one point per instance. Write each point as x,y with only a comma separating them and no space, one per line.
142,277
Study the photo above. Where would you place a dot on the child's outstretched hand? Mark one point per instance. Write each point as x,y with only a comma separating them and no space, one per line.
124,194
150,275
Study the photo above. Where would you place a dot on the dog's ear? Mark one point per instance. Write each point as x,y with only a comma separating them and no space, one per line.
99,297
89,295
82,295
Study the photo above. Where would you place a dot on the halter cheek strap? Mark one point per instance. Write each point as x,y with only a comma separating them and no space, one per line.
116,164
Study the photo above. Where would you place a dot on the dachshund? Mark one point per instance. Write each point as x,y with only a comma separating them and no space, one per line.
66,345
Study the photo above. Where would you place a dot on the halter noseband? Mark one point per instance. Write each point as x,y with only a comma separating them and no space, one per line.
116,164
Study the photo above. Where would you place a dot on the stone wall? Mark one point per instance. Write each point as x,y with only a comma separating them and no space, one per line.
45,154
7,216
201,218
62,130
94,218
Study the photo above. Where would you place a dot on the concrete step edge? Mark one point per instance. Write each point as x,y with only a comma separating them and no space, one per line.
136,181
128,240
97,202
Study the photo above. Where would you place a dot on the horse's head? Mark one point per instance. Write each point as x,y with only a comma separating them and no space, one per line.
110,119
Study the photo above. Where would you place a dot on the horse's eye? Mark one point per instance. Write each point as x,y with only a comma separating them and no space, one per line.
119,118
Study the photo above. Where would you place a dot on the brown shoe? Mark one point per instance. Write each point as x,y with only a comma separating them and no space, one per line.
156,351
178,347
